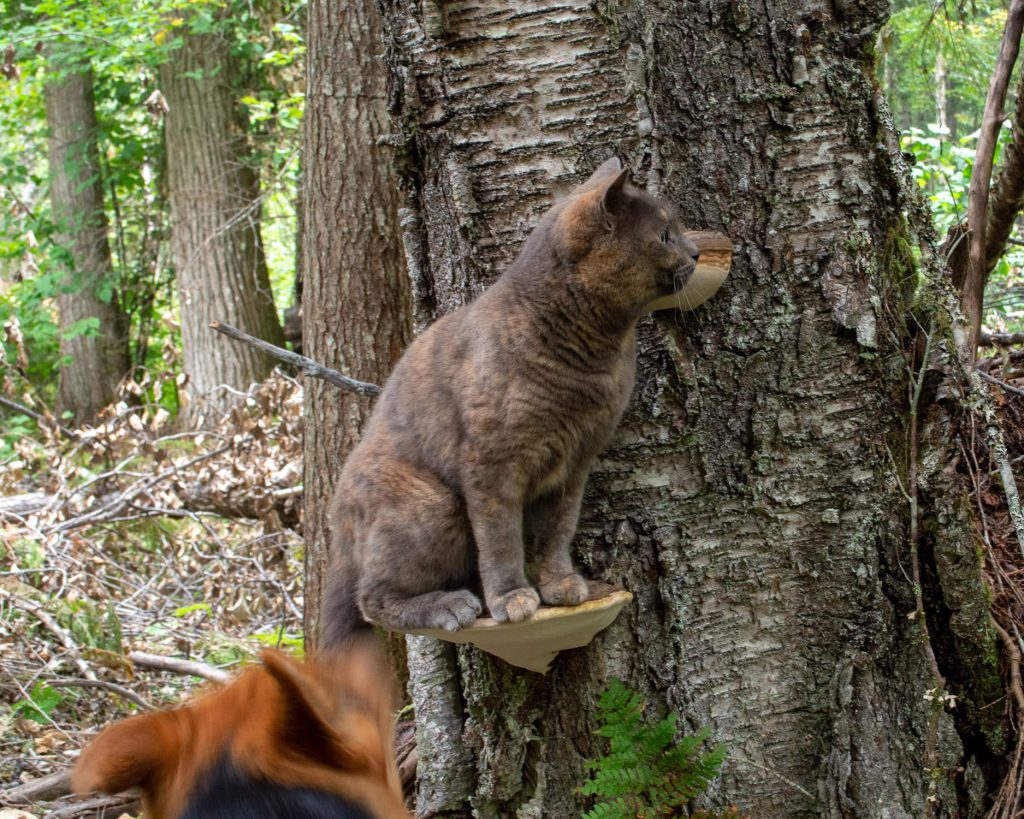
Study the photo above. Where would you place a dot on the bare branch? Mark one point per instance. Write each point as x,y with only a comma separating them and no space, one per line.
978,193
39,418
307,365
1003,384
120,690
1007,196
187,667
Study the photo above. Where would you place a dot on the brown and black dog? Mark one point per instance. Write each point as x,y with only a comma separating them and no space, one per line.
286,739
472,469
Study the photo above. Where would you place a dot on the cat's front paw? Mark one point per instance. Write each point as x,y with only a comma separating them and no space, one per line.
570,590
455,610
514,606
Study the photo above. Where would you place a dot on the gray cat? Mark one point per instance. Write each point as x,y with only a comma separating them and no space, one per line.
485,433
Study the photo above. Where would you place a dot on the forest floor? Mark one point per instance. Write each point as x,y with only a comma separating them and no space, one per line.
130,539
133,537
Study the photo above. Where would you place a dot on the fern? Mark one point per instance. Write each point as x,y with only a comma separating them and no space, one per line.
647,773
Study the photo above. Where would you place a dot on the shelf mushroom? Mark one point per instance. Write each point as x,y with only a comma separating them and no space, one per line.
534,643
712,269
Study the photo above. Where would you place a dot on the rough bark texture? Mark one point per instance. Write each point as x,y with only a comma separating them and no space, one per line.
748,501
98,360
355,295
215,237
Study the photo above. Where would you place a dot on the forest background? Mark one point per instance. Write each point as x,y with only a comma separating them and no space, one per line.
154,171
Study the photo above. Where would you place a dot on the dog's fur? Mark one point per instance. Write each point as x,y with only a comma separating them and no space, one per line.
286,739
485,433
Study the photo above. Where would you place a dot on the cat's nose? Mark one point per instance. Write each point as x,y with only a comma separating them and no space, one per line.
696,256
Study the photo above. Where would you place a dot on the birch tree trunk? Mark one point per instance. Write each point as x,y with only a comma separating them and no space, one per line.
355,293
748,500
215,226
98,356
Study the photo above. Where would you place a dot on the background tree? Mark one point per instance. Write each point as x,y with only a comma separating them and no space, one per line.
215,213
94,330
355,293
748,500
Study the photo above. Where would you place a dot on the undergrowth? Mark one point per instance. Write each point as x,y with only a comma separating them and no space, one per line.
647,771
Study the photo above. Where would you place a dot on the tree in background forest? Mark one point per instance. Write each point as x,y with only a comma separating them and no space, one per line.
94,330
226,155
215,212
356,303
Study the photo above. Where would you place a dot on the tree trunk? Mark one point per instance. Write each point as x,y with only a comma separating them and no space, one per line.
215,226
941,77
355,293
98,356
747,501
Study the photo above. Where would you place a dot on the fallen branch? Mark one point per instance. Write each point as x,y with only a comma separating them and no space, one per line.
120,805
39,418
21,505
238,503
998,383
185,667
116,506
307,365
1001,339
51,786
120,690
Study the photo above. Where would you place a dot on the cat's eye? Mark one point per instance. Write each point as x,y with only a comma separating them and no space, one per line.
664,237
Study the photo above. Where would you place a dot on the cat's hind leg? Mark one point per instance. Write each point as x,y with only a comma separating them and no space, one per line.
447,610
418,558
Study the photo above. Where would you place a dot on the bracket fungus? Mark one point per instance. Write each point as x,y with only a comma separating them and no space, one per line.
535,642
712,269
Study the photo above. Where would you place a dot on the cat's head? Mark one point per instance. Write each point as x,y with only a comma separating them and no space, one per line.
624,246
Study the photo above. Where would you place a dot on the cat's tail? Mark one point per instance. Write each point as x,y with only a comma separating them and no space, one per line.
340,617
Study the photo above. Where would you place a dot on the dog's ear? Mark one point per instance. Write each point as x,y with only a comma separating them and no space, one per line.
130,754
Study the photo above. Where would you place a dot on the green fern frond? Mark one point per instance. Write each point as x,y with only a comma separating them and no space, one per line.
647,772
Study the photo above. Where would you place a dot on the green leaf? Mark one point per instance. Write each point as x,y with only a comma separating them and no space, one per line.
41,703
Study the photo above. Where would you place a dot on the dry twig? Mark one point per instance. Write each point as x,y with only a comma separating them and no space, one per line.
307,365
189,667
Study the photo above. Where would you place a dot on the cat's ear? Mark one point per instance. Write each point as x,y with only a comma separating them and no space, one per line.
614,198
593,210
609,168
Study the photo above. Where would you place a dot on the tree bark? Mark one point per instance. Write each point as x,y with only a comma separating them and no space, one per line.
215,226
97,359
355,293
747,501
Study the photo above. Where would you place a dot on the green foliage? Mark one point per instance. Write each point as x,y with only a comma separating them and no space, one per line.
124,44
92,625
942,168
27,552
647,772
281,638
185,610
920,34
39,705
